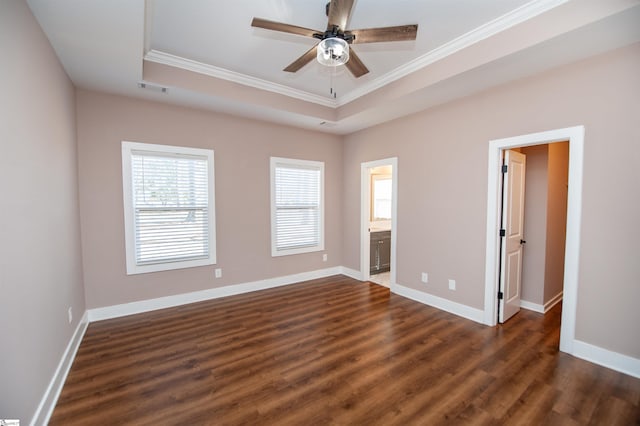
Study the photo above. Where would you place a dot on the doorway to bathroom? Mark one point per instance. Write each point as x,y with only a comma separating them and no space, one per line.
379,218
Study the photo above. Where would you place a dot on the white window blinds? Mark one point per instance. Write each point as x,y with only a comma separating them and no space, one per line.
297,206
170,207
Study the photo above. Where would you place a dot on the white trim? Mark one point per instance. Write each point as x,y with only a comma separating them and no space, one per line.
530,306
447,305
351,273
115,311
553,302
52,393
604,357
502,23
149,13
491,28
575,136
543,309
295,163
128,148
365,206
236,77
610,359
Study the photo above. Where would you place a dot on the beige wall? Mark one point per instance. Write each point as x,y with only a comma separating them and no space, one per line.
535,223
556,219
442,187
442,196
545,220
40,265
242,149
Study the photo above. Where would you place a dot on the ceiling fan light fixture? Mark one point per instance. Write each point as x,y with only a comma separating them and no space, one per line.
333,51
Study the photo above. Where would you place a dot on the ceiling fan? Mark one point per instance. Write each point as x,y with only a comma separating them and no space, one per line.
333,48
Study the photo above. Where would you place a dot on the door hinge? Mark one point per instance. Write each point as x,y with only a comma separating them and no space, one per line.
500,295
504,168
503,233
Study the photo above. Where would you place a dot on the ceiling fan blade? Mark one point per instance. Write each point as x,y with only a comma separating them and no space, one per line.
285,28
355,65
339,12
302,60
373,35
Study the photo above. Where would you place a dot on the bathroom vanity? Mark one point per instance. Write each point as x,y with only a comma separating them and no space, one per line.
380,252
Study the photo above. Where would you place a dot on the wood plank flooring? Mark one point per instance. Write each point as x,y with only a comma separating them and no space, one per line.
334,351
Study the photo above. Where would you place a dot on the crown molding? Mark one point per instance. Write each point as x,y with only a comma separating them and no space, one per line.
502,23
491,28
246,80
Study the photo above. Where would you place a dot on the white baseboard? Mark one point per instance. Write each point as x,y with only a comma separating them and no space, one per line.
351,273
50,397
606,358
532,306
553,302
597,355
455,308
613,360
115,311
543,309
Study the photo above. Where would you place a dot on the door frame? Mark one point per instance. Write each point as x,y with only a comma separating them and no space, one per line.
365,208
575,136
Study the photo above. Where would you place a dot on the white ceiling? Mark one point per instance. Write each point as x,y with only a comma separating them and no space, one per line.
200,30
208,56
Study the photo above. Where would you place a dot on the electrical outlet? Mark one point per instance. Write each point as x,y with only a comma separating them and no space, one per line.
218,272
324,257
452,284
70,314
425,277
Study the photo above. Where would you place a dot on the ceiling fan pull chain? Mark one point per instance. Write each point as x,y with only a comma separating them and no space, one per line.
332,78
331,83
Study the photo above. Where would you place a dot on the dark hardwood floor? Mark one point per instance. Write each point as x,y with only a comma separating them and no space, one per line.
335,351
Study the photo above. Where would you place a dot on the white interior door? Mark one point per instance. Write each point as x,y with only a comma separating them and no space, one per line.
513,239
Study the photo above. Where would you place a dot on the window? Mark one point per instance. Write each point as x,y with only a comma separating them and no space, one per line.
297,206
381,200
169,208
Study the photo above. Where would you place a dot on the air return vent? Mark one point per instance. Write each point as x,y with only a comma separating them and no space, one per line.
152,87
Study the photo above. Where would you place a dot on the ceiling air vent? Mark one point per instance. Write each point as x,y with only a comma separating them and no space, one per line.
153,87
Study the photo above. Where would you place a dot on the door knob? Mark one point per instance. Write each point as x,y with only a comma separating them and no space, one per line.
523,242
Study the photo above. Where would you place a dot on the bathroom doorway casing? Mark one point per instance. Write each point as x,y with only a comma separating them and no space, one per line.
365,215
575,136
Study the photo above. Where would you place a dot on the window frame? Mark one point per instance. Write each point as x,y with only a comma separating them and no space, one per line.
128,150
295,163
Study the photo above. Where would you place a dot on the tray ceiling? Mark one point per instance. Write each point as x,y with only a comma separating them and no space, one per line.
208,56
